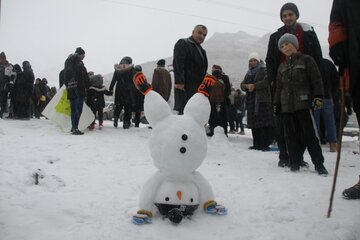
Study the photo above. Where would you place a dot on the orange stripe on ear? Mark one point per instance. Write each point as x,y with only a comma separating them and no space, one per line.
148,90
179,194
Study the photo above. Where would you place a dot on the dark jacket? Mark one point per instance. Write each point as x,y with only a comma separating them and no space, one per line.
345,14
76,77
298,82
311,47
239,103
262,87
125,88
190,65
24,86
330,79
161,82
95,97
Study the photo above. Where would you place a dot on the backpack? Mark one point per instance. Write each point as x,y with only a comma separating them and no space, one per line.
217,94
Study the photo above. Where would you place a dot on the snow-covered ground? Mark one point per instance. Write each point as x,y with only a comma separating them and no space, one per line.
91,186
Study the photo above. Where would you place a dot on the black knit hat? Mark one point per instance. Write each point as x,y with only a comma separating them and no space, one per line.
161,62
79,51
289,6
126,60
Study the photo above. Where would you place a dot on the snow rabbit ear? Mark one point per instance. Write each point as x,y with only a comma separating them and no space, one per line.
198,107
156,108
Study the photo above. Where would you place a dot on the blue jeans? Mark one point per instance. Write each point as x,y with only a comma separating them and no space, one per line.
76,105
327,116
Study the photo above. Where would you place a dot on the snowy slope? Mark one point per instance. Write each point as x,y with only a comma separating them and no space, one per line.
92,183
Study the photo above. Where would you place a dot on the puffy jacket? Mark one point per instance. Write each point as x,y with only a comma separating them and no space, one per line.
298,82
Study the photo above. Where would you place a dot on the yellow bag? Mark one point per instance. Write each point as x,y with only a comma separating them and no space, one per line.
42,98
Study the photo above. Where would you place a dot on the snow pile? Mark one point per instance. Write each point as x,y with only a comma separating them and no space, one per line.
90,186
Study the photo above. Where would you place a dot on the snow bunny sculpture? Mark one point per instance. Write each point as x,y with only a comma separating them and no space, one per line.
178,146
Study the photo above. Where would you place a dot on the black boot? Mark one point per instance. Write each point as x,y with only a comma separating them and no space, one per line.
321,169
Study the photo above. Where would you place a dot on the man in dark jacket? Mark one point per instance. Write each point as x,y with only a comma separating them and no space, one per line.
24,88
344,35
76,82
161,80
190,65
308,44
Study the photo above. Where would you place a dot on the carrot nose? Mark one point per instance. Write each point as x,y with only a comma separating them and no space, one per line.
179,194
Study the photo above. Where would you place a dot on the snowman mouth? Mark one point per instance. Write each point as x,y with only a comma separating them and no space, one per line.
187,210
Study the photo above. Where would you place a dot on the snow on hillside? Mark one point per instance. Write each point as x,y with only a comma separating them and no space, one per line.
91,185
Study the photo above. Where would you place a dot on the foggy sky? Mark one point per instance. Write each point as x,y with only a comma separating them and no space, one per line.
45,32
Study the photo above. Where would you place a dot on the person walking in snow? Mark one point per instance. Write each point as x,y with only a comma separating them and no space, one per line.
299,86
219,98
95,99
161,80
125,90
76,82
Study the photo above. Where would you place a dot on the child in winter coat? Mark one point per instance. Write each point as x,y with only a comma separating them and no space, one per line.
95,99
299,87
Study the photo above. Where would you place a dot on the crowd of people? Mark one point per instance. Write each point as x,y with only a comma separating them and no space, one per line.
21,95
291,96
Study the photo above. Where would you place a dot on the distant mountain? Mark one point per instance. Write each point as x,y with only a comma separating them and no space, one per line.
229,50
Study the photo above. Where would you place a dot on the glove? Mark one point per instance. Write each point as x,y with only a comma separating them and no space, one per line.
318,103
142,217
212,207
277,109
338,54
141,83
207,83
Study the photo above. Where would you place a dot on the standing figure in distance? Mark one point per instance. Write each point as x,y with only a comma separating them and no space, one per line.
76,82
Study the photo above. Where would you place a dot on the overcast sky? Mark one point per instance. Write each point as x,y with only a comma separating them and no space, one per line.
45,32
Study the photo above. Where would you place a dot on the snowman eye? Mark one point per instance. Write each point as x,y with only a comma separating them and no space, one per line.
184,137
191,199
167,199
182,149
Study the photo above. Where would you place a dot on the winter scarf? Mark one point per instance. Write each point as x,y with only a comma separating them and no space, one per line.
252,73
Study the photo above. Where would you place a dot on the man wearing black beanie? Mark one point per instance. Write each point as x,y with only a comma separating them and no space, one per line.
308,43
77,82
